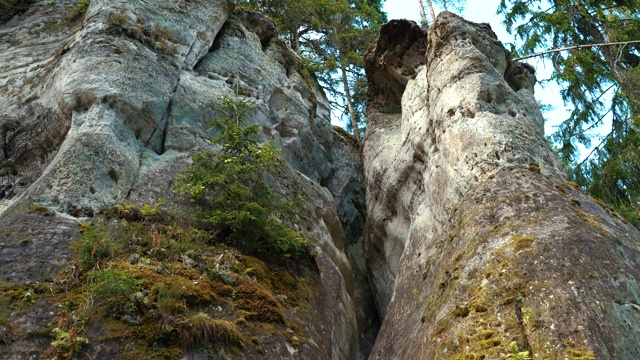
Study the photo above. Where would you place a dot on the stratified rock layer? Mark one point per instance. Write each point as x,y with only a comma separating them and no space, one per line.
110,106
477,246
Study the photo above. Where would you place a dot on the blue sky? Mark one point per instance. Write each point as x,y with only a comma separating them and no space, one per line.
485,11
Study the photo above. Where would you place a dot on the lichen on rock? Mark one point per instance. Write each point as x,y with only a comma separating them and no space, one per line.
107,109
476,246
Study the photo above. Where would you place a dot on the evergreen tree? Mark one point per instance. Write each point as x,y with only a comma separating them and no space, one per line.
351,27
293,18
590,76
231,190
331,36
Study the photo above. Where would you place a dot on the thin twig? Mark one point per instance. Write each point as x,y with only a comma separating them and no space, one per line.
595,123
576,47
593,151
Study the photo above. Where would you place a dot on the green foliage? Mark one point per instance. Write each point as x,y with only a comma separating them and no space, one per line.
10,8
68,335
94,245
231,190
349,28
115,286
599,82
66,343
133,212
118,18
285,240
527,314
331,36
516,353
169,296
162,270
79,10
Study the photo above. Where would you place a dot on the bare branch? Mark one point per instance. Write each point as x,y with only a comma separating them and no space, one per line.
593,151
576,47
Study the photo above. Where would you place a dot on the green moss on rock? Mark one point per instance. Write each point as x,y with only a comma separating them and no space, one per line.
580,354
40,210
258,302
170,299
461,311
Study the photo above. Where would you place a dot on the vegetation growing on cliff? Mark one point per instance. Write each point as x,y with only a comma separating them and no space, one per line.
78,11
150,284
331,37
161,284
10,8
231,190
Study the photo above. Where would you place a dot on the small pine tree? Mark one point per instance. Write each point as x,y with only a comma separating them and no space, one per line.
230,186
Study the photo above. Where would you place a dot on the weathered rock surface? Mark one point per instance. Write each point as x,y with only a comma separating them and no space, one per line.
388,76
110,108
478,247
475,244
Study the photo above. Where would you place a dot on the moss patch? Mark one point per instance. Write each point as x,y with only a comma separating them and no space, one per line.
534,168
78,11
580,354
40,210
200,329
594,222
521,242
150,281
258,303
461,311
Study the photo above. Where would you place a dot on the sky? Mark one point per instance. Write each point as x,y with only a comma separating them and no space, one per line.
485,11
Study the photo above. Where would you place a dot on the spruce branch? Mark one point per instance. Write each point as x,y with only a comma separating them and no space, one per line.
576,47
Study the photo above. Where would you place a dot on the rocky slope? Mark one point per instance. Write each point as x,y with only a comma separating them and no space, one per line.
105,104
478,247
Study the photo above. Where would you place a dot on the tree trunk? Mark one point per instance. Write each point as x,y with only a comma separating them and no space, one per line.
433,13
477,244
294,41
423,15
350,107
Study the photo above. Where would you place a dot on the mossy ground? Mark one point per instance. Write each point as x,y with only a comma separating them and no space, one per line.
154,286
39,209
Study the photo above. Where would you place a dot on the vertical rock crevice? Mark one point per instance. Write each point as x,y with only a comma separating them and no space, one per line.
393,60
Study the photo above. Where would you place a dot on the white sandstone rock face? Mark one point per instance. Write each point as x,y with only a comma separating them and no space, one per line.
111,108
113,75
460,121
472,222
153,74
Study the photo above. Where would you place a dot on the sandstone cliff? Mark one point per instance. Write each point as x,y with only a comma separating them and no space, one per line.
477,246
105,105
